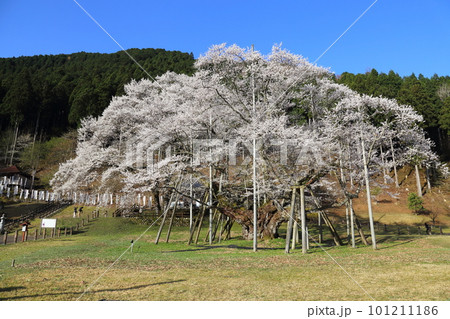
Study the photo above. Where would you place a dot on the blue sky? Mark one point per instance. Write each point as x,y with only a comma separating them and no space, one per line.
404,35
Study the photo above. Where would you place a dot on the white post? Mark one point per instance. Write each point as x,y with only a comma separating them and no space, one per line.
191,192
352,221
303,218
255,209
384,164
395,164
369,200
210,184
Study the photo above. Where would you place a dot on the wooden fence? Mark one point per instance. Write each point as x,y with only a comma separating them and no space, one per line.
47,233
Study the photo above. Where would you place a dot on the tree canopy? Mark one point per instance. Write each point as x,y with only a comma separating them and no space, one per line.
306,125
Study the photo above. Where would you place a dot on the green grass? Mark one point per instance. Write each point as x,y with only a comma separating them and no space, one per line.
406,267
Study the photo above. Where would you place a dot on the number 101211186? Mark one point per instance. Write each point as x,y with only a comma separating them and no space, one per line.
410,310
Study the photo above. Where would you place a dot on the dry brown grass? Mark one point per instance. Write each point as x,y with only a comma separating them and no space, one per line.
414,270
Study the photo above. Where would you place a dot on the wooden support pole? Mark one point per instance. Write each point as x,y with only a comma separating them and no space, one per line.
360,231
59,232
213,232
35,234
319,224
192,229
290,221
16,234
230,225
166,210
217,215
347,221
303,218
199,227
334,233
307,236
295,236
65,231
296,228
26,235
53,232
172,217
440,230
5,238
225,227
221,222
352,222
44,233
71,231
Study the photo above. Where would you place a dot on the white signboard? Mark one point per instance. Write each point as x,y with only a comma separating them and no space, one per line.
48,223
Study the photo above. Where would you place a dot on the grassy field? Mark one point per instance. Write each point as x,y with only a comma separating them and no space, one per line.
406,267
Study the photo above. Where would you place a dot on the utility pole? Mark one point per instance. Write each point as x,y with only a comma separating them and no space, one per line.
210,182
190,188
255,209
303,219
369,199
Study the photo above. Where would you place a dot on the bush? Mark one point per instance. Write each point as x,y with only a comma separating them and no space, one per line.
415,203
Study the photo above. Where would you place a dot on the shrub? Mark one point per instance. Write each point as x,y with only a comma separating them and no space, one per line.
415,203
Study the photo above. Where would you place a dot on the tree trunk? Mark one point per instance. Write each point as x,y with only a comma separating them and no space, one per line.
269,220
13,150
427,172
156,197
418,184
384,165
394,164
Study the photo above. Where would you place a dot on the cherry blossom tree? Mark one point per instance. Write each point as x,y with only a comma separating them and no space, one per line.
295,124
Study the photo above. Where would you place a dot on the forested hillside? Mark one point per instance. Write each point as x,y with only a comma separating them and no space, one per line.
53,92
430,97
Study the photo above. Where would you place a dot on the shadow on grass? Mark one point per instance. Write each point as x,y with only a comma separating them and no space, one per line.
11,288
202,247
80,292
325,245
394,243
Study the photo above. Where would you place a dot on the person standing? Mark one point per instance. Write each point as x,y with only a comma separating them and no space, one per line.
24,225
2,223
